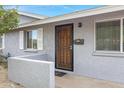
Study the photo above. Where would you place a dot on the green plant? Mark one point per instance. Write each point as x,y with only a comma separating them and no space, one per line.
8,19
3,61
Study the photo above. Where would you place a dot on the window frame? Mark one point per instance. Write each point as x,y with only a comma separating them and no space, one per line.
121,35
32,40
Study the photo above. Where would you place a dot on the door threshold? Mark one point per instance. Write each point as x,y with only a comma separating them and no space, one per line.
64,71
59,73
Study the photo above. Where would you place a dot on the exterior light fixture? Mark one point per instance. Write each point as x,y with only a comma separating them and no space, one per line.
79,24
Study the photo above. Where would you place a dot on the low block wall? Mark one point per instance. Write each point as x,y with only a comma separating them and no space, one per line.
31,73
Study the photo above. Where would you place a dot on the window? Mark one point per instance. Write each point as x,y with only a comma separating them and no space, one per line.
108,36
29,40
31,37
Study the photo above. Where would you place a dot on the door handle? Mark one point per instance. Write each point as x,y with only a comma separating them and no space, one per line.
70,47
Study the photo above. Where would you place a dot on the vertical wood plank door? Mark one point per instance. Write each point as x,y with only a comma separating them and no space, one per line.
64,47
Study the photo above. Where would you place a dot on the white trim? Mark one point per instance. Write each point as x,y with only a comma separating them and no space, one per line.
121,35
32,15
31,50
107,20
21,39
94,36
40,38
110,54
102,51
3,41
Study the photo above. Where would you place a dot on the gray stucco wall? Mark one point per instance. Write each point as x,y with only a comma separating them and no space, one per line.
12,40
12,45
85,62
31,73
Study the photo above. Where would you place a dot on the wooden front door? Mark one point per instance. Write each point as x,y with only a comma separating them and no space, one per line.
64,47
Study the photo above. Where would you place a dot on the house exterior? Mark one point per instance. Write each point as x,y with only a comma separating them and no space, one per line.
15,36
88,43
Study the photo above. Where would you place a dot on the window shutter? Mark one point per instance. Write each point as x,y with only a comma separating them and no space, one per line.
40,39
3,41
21,39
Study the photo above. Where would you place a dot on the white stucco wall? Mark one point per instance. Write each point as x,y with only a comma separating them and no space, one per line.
85,62
31,73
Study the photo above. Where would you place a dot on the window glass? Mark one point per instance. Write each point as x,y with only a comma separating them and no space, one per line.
32,39
108,36
29,39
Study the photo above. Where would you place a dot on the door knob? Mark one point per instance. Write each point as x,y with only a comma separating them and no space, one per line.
70,47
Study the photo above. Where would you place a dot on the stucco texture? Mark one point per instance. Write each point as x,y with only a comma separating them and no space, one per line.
85,62
31,73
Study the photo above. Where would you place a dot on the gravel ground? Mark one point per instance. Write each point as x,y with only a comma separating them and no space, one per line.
4,82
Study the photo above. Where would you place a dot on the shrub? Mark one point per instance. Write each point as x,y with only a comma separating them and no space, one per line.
3,61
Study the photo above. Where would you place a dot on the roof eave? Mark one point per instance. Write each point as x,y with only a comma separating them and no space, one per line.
32,15
78,14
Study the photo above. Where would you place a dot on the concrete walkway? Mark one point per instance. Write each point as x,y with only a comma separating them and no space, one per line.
72,81
67,81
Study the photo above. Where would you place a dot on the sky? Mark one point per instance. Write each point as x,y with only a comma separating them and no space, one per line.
53,10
